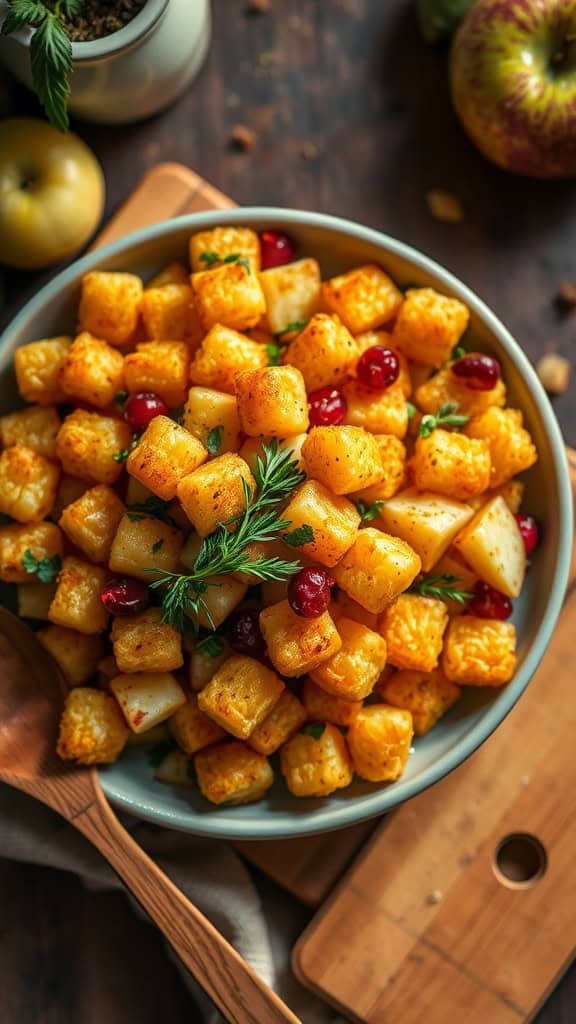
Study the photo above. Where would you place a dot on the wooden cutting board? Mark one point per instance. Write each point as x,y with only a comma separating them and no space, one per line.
309,867
444,917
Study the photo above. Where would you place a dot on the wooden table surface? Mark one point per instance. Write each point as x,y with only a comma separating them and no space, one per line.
352,117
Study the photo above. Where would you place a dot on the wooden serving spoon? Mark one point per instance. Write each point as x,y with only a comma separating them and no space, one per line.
31,695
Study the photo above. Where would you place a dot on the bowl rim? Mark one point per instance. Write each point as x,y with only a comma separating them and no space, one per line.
325,819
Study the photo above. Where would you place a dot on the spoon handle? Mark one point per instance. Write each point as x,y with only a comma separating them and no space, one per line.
240,995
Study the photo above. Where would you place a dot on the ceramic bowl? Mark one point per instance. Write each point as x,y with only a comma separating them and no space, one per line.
339,245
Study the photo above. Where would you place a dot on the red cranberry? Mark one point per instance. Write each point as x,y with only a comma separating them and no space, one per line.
243,632
489,603
378,368
530,531
479,372
143,407
327,407
125,596
309,592
275,249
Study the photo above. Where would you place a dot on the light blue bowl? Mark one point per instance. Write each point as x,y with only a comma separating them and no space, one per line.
339,245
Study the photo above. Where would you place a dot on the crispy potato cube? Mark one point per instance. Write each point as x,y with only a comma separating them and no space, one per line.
37,367
222,354
222,242
143,544
368,339
215,492
34,599
492,544
353,672
413,627
214,413
451,464
223,595
44,540
76,654
297,645
376,569
92,730
379,740
110,305
429,325
164,455
91,521
147,698
393,456
333,519
143,643
343,606
69,489
92,372
172,273
77,601
240,695
272,401
381,412
35,428
87,443
511,448
344,459
426,695
479,652
160,367
428,522
364,298
229,295
445,387
286,717
324,352
292,293
175,769
167,312
325,707
316,767
202,665
28,484
232,773
192,729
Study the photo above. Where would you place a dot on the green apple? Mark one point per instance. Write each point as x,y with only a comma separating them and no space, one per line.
513,81
51,193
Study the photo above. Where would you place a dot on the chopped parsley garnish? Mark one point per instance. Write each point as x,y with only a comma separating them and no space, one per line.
301,535
157,546
369,512
316,730
45,569
295,327
214,440
274,353
212,645
120,399
445,417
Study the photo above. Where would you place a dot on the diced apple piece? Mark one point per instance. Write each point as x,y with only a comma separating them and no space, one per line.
147,698
492,544
427,522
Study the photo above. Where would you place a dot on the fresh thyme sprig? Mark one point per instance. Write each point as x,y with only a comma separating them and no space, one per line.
446,587
447,416
224,551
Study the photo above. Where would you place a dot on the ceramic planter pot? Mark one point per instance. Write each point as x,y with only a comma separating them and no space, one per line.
134,72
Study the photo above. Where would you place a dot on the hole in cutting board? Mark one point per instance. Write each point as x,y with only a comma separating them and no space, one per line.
520,860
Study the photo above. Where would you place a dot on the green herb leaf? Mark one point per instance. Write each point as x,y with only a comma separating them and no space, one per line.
274,353
23,12
122,455
369,512
152,506
211,645
301,535
156,547
209,258
411,410
177,414
214,440
72,7
295,326
45,569
445,417
120,399
445,587
315,729
159,751
51,63
459,352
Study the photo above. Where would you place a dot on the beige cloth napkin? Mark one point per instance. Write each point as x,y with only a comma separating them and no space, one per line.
261,922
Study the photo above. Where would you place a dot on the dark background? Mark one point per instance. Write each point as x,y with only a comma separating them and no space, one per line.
352,116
